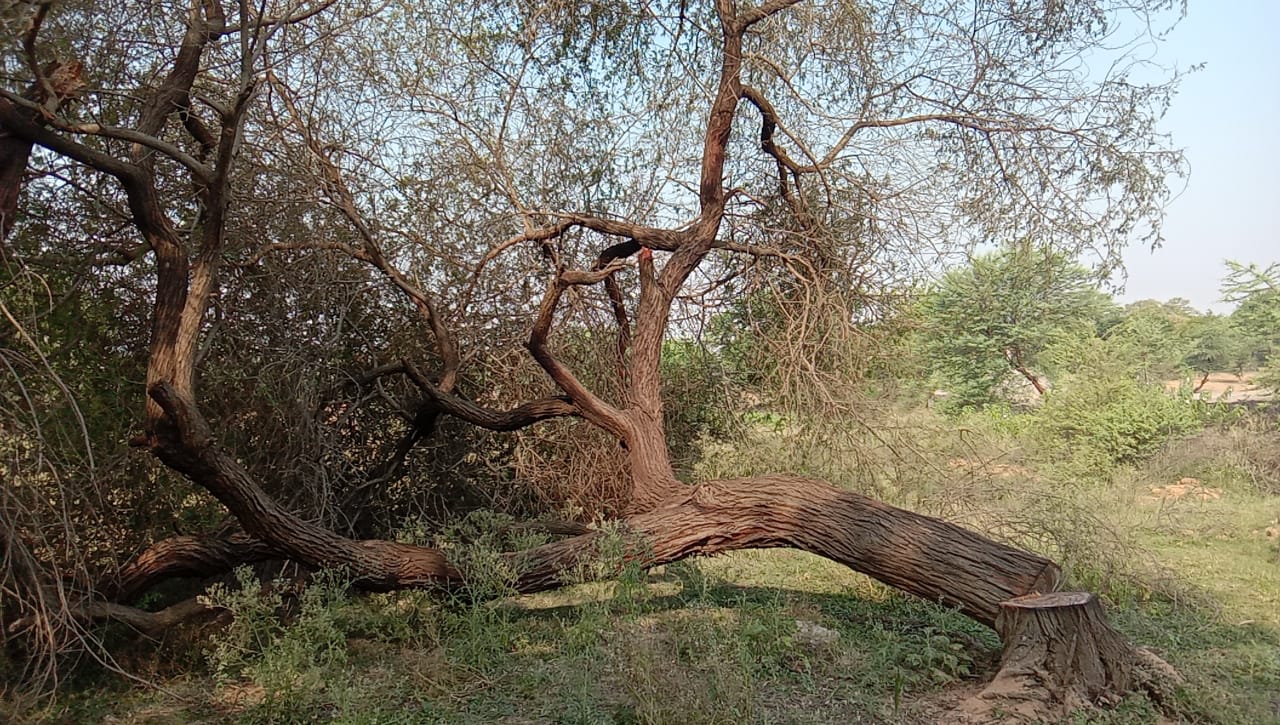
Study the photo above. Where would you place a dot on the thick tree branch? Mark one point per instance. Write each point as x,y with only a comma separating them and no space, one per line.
201,172
205,23
521,416
185,556
152,624
760,12
591,406
186,444
136,181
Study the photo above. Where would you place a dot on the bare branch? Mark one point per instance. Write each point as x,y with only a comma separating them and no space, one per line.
521,416
371,251
202,172
591,406
285,19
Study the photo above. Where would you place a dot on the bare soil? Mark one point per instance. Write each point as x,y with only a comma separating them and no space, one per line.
1228,386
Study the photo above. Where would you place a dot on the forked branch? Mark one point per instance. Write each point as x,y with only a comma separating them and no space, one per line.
591,406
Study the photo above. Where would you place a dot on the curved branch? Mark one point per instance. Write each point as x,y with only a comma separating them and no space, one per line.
185,444
614,291
44,87
186,556
769,123
521,416
135,180
284,19
591,407
667,240
174,93
149,623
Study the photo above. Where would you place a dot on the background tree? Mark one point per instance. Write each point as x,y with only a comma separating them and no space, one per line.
1154,332
1256,292
1216,345
995,317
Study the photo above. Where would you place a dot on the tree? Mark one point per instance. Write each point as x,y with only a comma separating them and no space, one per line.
485,170
1153,332
1216,345
1256,292
996,316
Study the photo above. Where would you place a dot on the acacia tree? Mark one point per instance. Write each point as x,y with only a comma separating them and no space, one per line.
1256,290
467,160
996,316
1215,345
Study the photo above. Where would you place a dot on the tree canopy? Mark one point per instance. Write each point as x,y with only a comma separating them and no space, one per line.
324,230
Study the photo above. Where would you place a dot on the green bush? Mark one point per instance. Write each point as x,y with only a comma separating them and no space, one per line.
1099,424
288,661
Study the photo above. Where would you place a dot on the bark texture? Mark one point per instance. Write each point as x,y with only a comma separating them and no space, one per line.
1061,657
917,554
185,556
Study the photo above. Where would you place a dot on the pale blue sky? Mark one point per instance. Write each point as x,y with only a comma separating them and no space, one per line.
1227,118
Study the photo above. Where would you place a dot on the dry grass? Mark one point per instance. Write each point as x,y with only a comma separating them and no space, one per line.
728,639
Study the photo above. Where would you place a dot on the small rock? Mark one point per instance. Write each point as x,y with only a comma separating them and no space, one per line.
812,634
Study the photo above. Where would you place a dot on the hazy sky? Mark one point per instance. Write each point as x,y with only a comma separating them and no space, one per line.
1227,118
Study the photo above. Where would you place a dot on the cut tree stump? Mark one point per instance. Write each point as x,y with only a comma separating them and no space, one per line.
1061,656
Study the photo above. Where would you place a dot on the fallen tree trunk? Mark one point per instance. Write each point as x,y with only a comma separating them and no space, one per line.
917,554
1060,655
185,556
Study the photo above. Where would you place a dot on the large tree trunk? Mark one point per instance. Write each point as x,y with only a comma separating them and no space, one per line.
917,554
1060,657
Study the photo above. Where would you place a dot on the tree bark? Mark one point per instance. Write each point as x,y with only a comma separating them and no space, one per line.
917,554
1061,657
185,556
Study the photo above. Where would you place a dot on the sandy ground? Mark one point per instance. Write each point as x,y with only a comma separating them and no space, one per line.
1238,389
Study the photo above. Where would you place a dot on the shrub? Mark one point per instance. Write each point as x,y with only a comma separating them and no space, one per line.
286,661
1103,423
